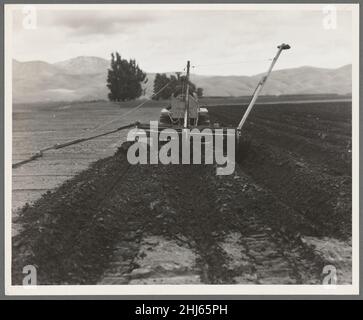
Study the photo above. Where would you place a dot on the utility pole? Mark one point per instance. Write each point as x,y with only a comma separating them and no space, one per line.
186,112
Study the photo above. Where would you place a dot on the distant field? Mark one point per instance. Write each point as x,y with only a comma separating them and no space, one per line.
36,126
274,99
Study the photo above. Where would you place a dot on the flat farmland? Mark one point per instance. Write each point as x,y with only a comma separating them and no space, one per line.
39,126
302,153
283,215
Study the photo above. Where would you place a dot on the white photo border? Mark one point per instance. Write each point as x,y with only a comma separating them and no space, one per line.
205,289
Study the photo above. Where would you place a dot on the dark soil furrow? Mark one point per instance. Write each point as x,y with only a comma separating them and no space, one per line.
121,224
64,234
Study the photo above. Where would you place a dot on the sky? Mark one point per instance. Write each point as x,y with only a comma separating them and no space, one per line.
217,42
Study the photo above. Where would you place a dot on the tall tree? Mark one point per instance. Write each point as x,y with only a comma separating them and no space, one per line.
124,79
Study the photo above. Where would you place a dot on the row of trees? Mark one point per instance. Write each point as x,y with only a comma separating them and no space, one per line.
125,78
176,86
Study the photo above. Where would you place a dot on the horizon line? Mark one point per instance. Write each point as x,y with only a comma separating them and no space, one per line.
198,74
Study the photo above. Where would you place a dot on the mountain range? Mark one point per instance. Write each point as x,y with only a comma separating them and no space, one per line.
84,78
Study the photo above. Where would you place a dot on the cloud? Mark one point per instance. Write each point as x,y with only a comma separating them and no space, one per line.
92,22
162,40
88,22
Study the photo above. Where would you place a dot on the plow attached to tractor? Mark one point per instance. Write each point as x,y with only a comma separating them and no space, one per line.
186,121
184,125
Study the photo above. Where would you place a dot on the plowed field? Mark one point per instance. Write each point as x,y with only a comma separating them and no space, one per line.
281,217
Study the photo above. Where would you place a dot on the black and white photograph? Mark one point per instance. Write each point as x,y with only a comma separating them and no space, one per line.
181,149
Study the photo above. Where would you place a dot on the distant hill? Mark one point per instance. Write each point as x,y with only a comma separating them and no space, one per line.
84,78
84,65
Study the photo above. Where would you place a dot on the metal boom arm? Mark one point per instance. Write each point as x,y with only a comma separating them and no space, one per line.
260,85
